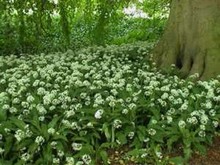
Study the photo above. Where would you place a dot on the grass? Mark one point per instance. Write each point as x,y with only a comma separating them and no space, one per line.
72,108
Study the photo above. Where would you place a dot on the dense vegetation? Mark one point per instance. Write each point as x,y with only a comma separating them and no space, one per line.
52,25
76,86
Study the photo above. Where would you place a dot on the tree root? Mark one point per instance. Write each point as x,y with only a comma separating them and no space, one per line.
205,63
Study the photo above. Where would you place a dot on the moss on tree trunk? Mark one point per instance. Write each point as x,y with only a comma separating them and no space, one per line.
191,40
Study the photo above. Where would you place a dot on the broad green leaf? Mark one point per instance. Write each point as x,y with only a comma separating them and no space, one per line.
121,137
177,161
8,145
106,131
3,115
172,140
54,122
59,137
104,156
19,123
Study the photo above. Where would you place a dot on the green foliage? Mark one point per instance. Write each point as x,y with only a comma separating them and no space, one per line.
73,107
58,25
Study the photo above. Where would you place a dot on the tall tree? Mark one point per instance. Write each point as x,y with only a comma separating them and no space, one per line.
191,39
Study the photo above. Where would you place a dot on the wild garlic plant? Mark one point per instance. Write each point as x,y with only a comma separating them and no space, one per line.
69,108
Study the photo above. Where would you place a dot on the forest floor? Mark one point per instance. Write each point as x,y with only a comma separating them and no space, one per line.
212,156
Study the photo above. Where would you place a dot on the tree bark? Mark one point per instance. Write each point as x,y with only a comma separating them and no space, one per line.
191,39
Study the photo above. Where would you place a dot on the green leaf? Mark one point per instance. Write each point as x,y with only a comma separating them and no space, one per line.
105,145
136,152
3,115
121,137
8,145
141,136
177,160
5,162
201,148
54,122
104,156
172,140
187,153
59,137
87,148
32,148
39,161
156,113
47,154
106,131
44,131
36,124
24,143
20,162
19,123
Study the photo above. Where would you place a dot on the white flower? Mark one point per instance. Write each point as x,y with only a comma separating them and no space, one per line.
51,131
171,111
204,119
70,161
202,134
164,96
131,135
6,107
41,118
86,159
195,113
53,144
112,103
153,121
124,111
171,98
117,123
132,106
2,150
184,106
16,101
83,95
98,114
41,109
202,127
25,157
19,135
60,153
70,113
169,119
80,163
192,120
56,161
30,99
152,131
159,154
13,110
182,124
39,140
76,146
212,112
215,124
51,108
208,105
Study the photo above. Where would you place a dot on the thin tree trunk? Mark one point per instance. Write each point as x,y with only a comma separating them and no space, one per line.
192,38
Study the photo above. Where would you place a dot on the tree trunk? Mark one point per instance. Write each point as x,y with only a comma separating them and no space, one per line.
191,40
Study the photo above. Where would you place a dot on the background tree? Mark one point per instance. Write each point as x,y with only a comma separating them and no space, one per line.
37,26
191,40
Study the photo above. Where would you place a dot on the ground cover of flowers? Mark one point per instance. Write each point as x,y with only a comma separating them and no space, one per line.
72,108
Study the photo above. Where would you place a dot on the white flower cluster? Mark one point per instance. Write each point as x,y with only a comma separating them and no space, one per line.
78,92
